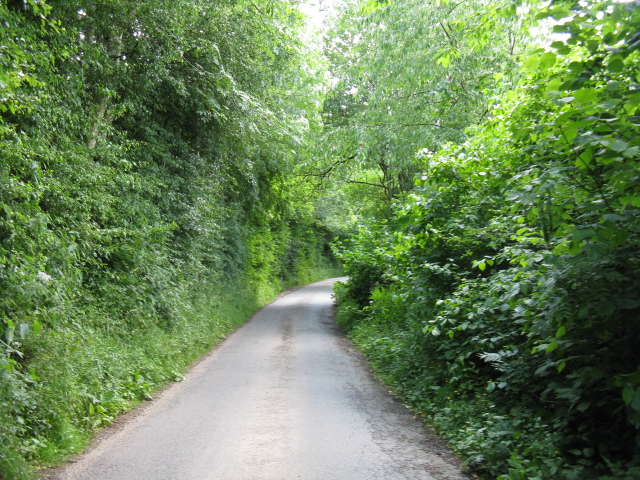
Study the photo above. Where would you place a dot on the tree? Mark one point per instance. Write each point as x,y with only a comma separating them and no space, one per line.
502,300
408,76
147,154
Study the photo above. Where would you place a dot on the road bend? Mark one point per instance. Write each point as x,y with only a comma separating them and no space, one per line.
284,397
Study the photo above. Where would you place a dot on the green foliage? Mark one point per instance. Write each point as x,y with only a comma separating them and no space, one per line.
506,305
407,76
364,258
21,55
148,200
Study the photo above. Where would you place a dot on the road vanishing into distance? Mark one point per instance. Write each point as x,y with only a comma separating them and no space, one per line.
284,397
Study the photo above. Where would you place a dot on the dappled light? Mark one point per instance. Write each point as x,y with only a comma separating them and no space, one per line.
168,168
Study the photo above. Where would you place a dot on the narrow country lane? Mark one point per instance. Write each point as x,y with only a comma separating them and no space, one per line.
284,397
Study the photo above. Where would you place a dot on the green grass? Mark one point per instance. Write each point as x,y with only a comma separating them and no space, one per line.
89,369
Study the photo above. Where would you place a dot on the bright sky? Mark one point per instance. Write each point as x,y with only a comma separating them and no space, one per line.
317,12
314,9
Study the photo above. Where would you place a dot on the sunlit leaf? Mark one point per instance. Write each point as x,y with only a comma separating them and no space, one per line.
618,145
616,65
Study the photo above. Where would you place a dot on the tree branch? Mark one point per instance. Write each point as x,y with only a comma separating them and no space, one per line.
422,92
328,171
367,183
447,34
374,125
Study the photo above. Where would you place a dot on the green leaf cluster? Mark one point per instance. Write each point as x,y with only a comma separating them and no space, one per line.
504,301
406,76
148,159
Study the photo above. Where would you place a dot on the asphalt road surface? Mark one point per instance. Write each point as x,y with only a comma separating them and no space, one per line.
284,397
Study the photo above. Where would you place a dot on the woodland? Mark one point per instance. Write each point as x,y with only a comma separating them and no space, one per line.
167,167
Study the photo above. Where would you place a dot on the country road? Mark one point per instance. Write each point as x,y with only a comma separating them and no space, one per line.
284,397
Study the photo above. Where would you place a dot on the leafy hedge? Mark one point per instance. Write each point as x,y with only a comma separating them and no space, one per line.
502,301
148,201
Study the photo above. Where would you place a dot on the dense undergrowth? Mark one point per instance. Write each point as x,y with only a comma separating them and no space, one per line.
148,200
502,301
78,377
159,182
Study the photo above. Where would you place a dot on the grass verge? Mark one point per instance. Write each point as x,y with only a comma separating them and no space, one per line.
80,376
